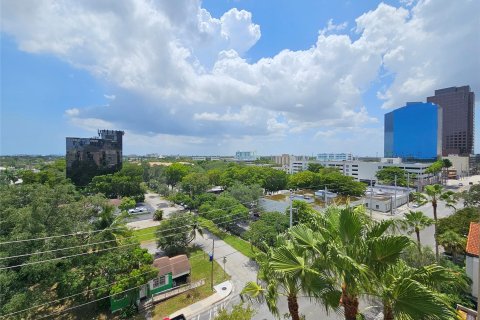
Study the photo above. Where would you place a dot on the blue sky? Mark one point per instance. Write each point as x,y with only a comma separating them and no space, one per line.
214,77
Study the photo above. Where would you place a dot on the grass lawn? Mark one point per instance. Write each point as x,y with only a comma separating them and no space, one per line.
145,234
237,243
201,269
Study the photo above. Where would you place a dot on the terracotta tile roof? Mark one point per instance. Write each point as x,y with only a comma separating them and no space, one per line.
178,265
473,240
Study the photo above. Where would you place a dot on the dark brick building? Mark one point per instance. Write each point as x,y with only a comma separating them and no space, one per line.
88,157
458,109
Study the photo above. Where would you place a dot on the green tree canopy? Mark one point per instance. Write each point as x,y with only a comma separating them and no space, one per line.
387,176
267,228
175,172
471,197
314,167
245,194
459,221
195,183
33,211
176,233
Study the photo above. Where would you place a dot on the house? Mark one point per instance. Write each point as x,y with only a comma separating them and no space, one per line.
472,250
171,273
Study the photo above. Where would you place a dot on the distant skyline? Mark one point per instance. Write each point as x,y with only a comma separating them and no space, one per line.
218,76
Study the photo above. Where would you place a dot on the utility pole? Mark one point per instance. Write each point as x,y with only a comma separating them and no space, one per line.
408,186
325,196
291,209
371,198
211,259
395,195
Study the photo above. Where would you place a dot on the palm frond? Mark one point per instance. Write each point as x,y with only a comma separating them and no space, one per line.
413,300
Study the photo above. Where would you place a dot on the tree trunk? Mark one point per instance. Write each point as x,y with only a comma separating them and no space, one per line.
350,305
293,307
387,312
434,205
417,231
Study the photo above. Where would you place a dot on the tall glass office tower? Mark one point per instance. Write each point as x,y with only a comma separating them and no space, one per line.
414,132
458,107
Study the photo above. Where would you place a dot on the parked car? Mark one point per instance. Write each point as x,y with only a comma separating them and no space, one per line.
137,210
460,184
416,205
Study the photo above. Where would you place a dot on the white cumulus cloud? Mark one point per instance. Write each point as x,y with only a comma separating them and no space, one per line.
180,72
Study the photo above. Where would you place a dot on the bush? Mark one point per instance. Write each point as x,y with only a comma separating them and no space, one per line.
158,215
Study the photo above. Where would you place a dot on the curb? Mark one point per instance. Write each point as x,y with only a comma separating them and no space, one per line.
188,313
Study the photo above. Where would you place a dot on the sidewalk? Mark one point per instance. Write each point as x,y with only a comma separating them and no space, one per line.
223,290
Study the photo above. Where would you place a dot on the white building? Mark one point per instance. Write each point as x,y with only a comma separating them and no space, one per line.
298,166
246,156
385,198
365,171
460,163
290,163
471,261
334,157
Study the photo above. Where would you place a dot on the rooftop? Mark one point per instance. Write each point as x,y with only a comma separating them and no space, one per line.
473,240
178,265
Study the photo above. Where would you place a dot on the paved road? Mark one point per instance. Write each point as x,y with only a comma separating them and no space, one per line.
242,269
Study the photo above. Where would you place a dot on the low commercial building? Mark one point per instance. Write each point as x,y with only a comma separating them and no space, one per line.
461,164
386,198
365,171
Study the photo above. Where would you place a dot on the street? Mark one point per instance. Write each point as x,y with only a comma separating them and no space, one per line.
242,269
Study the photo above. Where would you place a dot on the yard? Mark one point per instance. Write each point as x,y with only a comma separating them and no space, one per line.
201,269
237,243
145,234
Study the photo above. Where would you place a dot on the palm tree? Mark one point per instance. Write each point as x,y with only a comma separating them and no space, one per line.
433,194
353,249
452,242
194,228
286,271
415,221
411,293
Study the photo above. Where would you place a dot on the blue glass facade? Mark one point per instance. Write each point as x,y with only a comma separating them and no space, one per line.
413,131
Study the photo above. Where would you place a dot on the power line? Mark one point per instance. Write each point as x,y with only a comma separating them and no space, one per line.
81,305
96,251
86,291
113,240
97,231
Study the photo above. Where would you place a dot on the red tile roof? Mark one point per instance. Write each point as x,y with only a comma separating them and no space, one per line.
473,240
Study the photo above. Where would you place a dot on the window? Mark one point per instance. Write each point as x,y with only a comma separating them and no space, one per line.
376,206
159,281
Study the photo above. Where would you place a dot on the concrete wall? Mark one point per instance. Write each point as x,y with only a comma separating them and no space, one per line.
472,266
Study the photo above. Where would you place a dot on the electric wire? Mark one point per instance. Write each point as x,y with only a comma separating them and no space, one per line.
113,240
95,231
92,252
